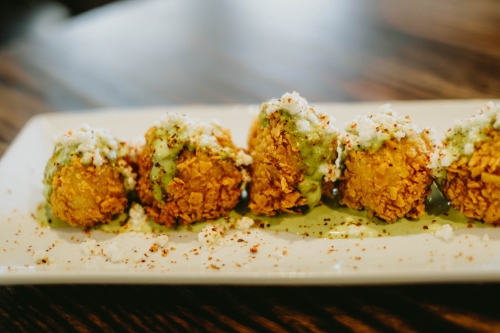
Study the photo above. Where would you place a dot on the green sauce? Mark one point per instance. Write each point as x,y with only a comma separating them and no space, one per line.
332,220
165,154
58,160
326,221
311,189
458,141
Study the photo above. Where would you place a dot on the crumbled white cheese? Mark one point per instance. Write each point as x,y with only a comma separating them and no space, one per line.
430,134
338,161
330,171
129,177
41,257
243,159
93,143
244,223
192,131
445,232
113,253
303,126
293,103
468,149
212,234
486,238
460,140
137,214
355,231
365,132
89,247
297,106
161,241
137,257
138,217
133,148
278,254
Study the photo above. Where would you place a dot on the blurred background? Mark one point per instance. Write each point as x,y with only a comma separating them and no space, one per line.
63,55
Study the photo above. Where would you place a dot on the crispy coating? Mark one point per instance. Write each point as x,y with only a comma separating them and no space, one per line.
84,195
391,182
276,170
205,187
473,184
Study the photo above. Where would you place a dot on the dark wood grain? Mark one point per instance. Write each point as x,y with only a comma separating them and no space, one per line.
177,52
424,308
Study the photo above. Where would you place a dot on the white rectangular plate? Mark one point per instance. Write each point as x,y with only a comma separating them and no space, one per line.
281,259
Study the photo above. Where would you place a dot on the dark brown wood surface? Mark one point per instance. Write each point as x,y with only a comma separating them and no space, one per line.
177,52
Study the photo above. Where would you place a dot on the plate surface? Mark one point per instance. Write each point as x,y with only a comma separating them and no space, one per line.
282,258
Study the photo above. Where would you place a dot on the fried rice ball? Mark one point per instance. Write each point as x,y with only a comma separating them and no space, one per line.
86,194
294,151
204,186
468,165
385,166
391,182
86,179
473,184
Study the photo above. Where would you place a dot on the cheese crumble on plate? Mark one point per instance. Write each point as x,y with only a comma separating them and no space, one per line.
445,232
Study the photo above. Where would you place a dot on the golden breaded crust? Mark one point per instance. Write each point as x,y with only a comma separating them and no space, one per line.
391,182
84,195
204,187
276,170
473,185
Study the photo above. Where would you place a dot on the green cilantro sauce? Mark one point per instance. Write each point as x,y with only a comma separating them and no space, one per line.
371,146
459,140
326,221
315,149
164,155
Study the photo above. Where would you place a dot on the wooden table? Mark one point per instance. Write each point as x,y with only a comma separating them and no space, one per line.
177,52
